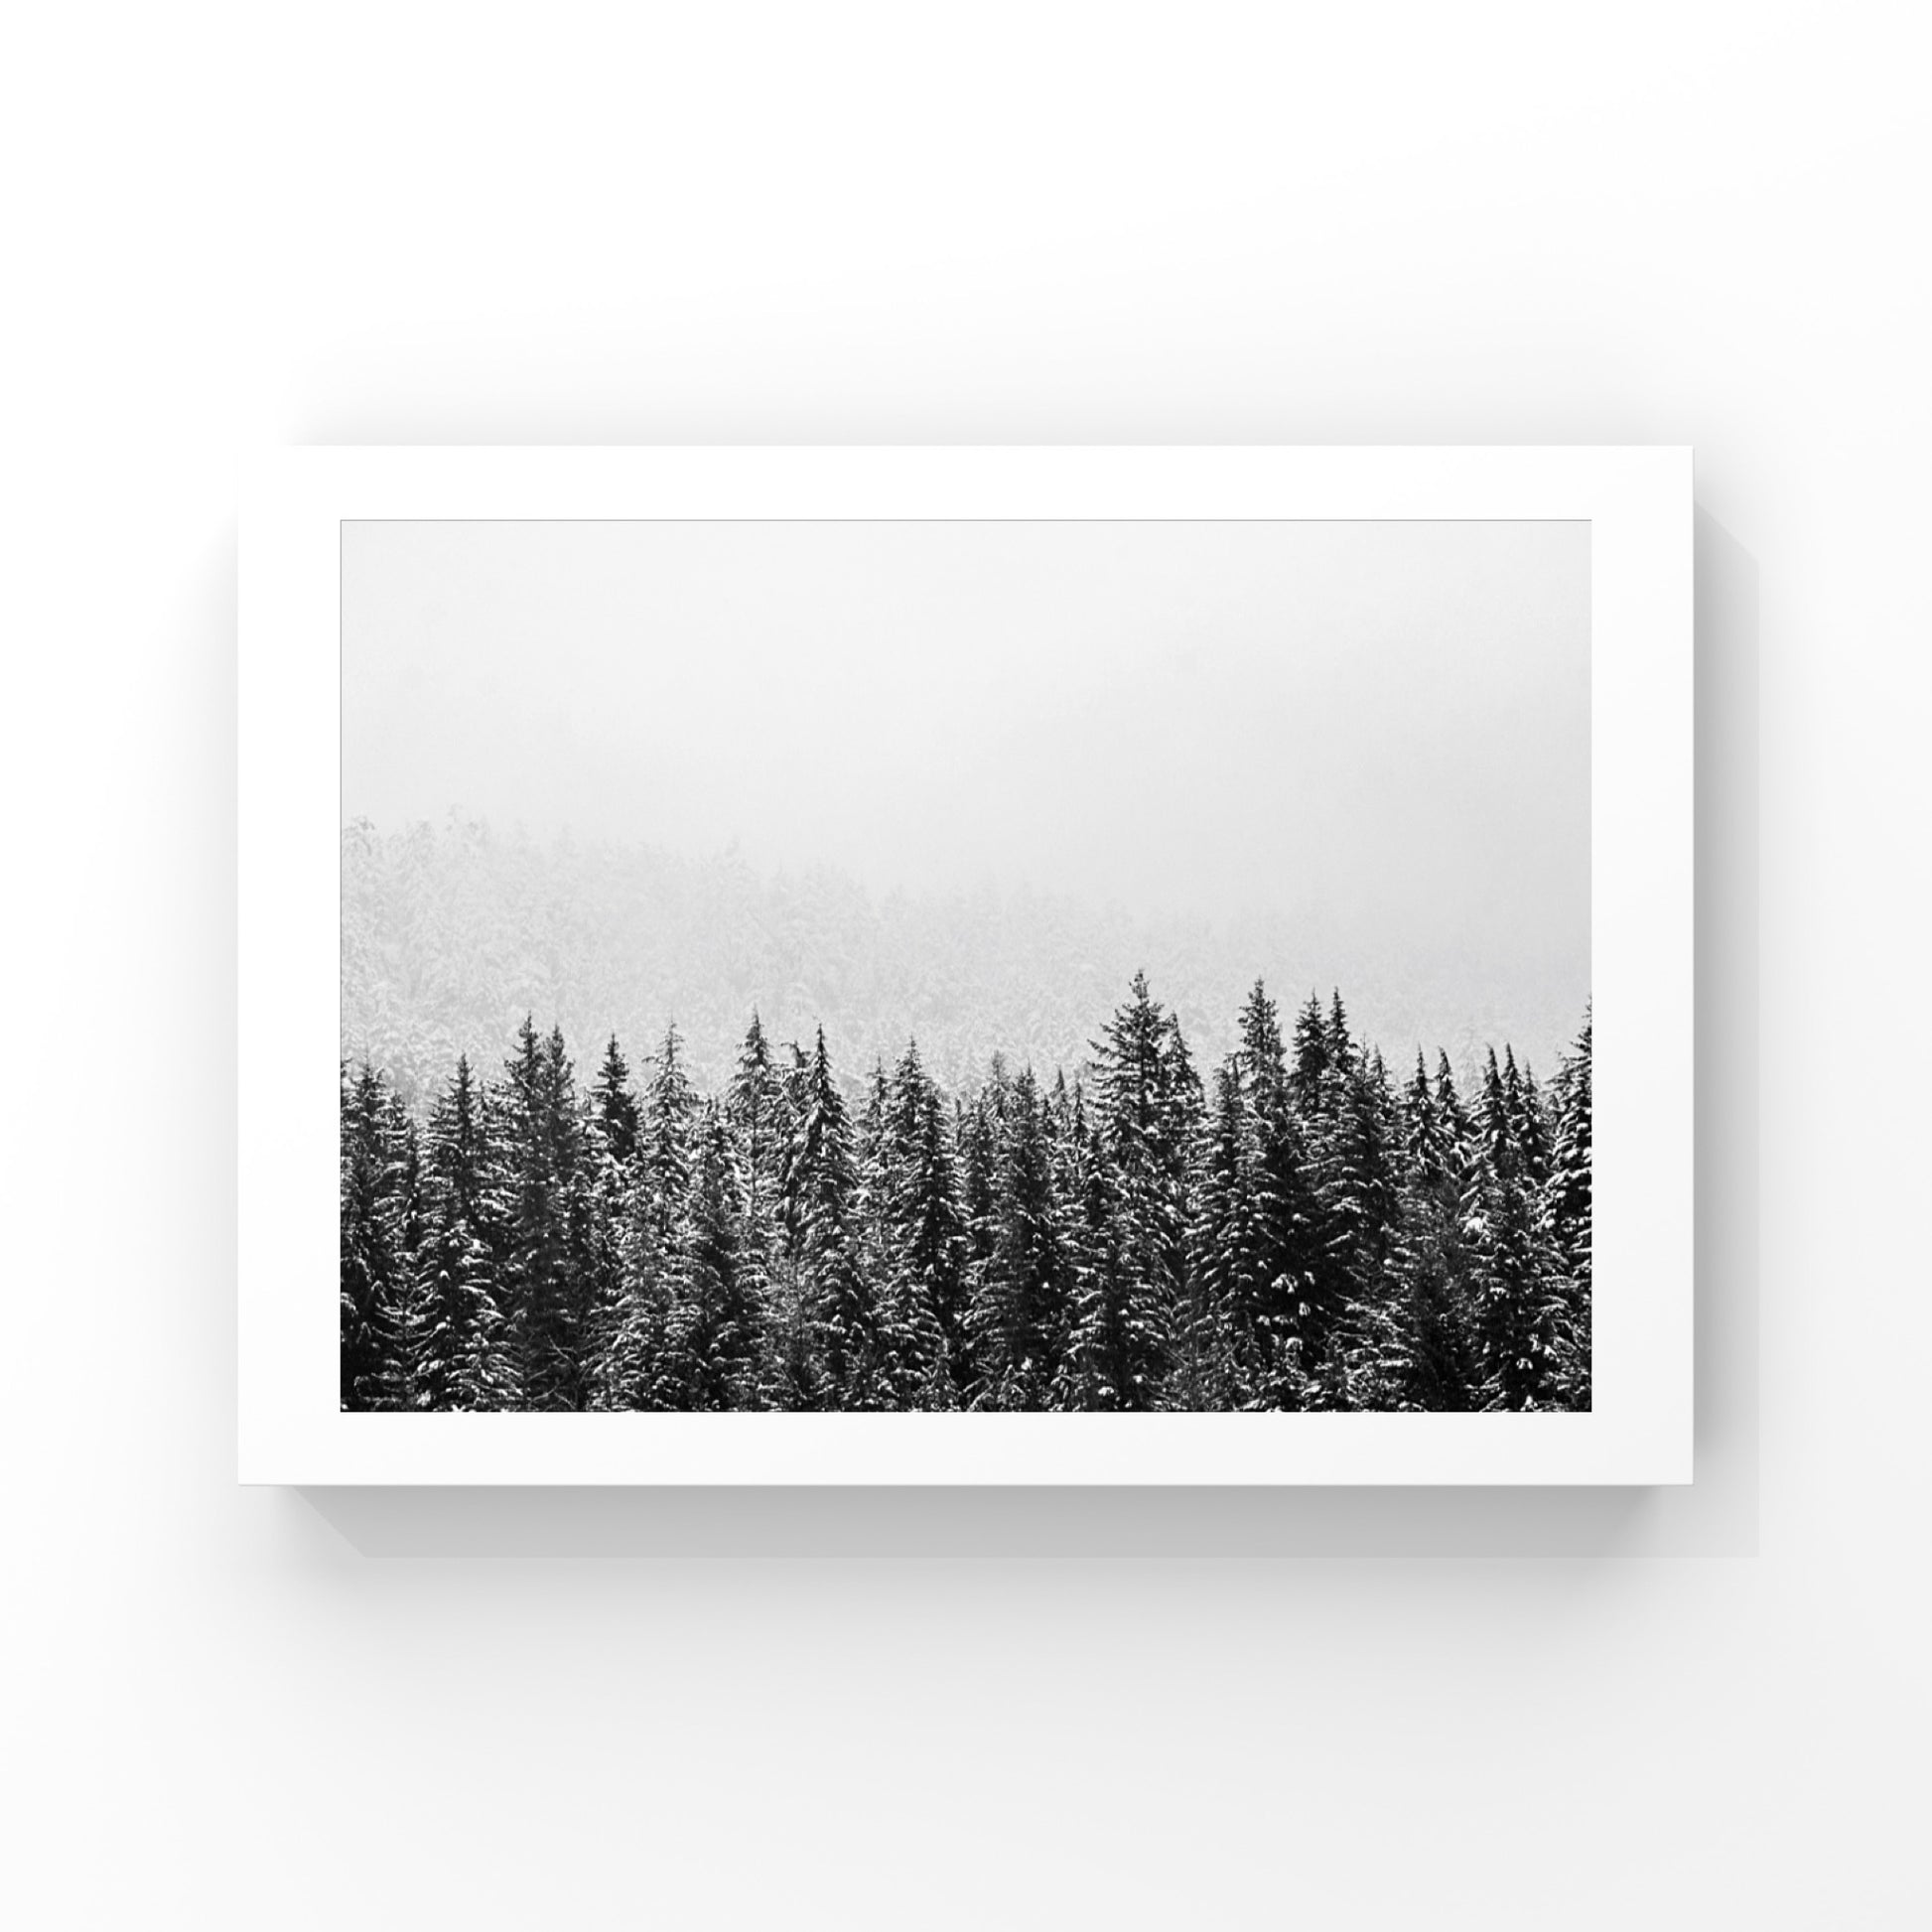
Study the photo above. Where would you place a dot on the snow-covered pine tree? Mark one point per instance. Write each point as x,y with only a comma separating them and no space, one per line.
1347,1117
1104,1363
791,1374
1516,1295
1419,1347
929,1314
1020,1314
1197,1375
544,1220
1570,1163
1371,1359
1494,1125
1065,1127
613,1107
1527,1123
412,1313
979,1131
1342,1044
613,1323
1516,1286
841,1316
714,1320
1374,1358
1263,1059
1568,1210
755,1110
1424,1135
460,1245
1227,1342
1148,1105
378,1217
904,1343
1285,1201
1313,1058
1452,1119
665,1135
656,1337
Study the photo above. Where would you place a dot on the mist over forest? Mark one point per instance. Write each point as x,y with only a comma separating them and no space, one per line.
453,934
959,781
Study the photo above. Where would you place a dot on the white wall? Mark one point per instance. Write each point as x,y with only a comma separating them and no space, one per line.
226,226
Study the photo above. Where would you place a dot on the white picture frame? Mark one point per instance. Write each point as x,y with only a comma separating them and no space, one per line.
1638,503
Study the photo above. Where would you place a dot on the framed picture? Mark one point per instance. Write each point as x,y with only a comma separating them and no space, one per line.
966,966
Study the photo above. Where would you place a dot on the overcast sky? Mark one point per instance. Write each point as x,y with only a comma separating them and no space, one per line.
1381,727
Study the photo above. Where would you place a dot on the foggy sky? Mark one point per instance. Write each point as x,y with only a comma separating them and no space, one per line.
1382,729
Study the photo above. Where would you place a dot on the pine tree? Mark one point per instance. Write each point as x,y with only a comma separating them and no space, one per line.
1527,1126
927,1317
1516,1292
903,1341
714,1337
378,1210
1569,1212
1494,1125
1062,1132
1453,1121
1287,1320
613,1108
1517,1289
1341,1047
1425,1137
1263,1064
1019,1317
759,1114
417,1342
1232,1238
545,1221
1104,1365
979,1130
1313,1056
461,1247
1375,1343
791,1376
656,1336
841,1316
1149,1104
1376,1359
1570,1160
1348,1121
614,1355
1358,1177
1419,1343
666,1137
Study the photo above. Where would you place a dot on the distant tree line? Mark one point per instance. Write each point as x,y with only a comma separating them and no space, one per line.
1299,1232
451,935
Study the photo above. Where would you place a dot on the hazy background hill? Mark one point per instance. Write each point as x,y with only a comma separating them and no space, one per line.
451,935
960,780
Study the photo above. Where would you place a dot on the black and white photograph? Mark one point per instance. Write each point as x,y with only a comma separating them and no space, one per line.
971,966
966,967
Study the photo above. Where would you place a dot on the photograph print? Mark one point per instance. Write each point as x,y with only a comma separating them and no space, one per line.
974,966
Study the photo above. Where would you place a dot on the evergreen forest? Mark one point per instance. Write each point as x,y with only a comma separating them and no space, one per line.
1299,1228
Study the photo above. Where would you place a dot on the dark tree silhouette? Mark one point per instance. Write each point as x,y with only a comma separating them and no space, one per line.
1305,1234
